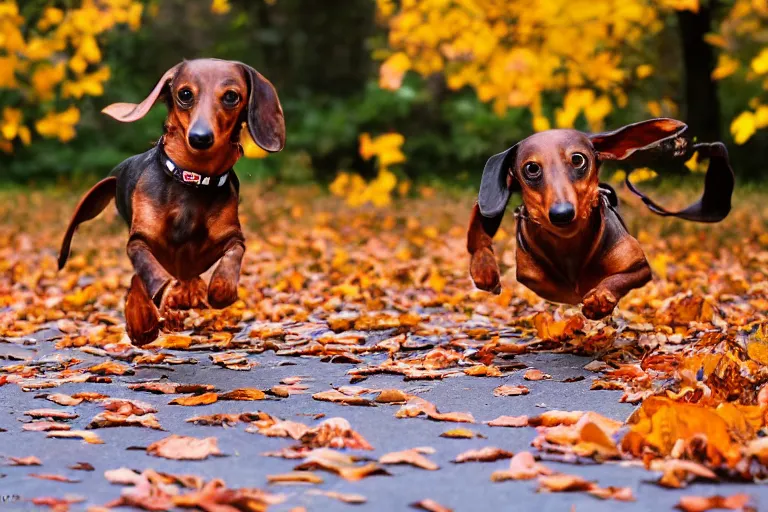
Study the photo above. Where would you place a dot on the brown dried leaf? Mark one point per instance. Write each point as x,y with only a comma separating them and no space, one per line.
54,414
353,499
184,448
62,399
430,506
414,457
54,478
334,433
487,454
509,421
343,465
337,397
88,437
305,477
417,406
522,467
24,461
703,504
243,394
45,426
392,396
534,374
511,391
458,433
194,400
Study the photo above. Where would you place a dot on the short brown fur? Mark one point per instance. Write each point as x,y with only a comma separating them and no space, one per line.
178,231
572,245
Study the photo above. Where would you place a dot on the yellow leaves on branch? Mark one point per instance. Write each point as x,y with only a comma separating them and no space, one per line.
220,6
54,57
512,53
387,151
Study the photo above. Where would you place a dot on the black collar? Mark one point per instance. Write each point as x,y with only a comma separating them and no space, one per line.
190,178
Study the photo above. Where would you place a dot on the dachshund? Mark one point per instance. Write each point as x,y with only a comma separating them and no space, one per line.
180,198
572,245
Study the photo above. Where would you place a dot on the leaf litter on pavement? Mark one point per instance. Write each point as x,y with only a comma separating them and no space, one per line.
386,291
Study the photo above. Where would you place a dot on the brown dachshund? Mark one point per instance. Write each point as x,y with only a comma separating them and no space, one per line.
180,198
572,245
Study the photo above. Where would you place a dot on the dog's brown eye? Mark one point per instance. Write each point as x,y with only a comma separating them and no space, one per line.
186,96
230,98
579,161
532,170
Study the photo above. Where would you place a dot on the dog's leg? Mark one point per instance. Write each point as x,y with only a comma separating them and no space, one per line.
151,272
141,317
626,268
222,290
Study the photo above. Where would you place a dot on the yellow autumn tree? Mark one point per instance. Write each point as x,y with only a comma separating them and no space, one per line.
50,62
743,43
514,52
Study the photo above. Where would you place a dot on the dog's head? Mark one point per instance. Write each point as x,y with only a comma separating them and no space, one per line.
208,99
557,171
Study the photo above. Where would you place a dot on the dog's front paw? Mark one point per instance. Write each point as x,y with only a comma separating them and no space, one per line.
598,303
141,318
185,295
222,292
485,271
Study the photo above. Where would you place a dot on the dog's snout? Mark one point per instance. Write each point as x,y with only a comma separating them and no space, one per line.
561,214
200,136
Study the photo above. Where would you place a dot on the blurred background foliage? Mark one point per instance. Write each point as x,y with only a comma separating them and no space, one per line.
383,96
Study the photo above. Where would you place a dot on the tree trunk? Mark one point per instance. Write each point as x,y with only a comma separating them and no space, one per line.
702,106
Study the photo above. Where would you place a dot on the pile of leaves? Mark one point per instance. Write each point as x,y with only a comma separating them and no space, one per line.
387,292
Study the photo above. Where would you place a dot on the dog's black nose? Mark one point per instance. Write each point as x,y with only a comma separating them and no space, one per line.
200,137
561,214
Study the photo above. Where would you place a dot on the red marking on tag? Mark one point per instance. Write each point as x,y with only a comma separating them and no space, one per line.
190,177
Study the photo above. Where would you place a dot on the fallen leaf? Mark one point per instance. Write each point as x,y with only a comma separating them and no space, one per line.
24,461
703,504
334,433
178,447
430,506
45,426
487,454
392,396
522,467
194,400
169,388
244,394
337,397
111,368
62,399
417,406
82,466
306,477
510,391
353,499
54,478
343,465
54,414
509,421
564,483
458,433
414,457
534,374
88,437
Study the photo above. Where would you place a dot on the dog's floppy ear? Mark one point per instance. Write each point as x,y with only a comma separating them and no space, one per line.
654,134
496,183
666,141
495,189
129,112
265,114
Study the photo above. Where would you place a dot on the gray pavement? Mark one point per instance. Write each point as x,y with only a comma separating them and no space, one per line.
462,487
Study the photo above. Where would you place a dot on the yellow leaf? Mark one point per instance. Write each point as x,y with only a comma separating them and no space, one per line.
743,127
393,70
643,71
220,6
726,66
760,63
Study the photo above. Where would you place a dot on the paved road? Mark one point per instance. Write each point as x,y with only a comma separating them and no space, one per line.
462,487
